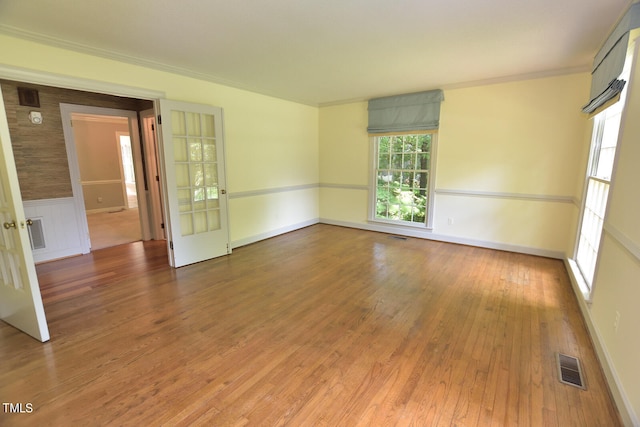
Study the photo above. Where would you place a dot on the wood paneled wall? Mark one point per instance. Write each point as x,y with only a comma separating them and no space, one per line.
39,150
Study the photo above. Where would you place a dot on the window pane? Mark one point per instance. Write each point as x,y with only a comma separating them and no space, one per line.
184,200
397,144
424,143
383,160
196,176
195,150
208,125
180,149
591,230
182,175
396,161
209,151
178,123
410,161
210,174
193,124
384,144
384,178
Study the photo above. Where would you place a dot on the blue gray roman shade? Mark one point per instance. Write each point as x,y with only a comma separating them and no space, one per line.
402,113
609,62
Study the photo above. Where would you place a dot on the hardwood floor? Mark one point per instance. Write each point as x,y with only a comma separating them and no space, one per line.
114,228
322,326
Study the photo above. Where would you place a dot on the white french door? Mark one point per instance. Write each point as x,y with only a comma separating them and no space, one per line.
20,299
193,162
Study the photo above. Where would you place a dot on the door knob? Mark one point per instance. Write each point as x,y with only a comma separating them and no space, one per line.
29,222
9,225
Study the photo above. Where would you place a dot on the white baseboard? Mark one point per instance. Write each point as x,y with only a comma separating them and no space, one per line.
267,235
103,210
423,234
629,417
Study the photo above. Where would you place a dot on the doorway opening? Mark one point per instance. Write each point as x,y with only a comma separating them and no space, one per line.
108,179
107,174
108,158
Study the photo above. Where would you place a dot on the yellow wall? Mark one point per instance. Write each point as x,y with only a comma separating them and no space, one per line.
522,142
518,137
271,144
344,163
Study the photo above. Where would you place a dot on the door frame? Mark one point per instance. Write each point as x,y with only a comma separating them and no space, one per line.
76,83
155,200
66,111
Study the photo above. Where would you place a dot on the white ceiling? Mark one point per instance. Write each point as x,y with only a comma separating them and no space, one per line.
328,51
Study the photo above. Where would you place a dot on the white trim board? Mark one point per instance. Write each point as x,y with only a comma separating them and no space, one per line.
623,240
66,82
266,191
513,196
423,234
344,186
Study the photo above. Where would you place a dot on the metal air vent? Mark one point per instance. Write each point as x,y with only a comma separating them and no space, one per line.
569,371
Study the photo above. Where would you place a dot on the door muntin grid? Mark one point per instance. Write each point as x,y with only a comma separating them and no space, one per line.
196,166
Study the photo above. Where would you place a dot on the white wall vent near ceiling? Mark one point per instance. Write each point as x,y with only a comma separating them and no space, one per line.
36,234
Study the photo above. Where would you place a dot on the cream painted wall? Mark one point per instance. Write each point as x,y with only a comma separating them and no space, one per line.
519,137
271,144
617,283
522,138
523,142
263,216
344,144
344,163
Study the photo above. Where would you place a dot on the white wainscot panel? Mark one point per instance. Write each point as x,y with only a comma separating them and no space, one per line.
60,228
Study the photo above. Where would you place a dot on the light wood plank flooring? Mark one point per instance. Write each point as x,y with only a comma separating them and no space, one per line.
115,228
323,326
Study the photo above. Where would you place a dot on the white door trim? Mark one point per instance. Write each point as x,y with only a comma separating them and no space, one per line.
67,82
148,127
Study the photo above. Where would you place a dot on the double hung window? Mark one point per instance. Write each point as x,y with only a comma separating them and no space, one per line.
403,173
600,169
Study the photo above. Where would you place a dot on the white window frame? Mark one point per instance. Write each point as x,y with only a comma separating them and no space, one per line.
373,182
588,273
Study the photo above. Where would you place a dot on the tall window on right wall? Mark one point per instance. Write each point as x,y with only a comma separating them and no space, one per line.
598,179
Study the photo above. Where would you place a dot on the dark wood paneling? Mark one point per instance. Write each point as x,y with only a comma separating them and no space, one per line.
39,150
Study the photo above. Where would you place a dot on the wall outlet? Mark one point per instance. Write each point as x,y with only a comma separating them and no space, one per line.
616,322
99,199
450,221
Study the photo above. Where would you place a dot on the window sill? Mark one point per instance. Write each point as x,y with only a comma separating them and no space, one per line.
407,225
577,278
